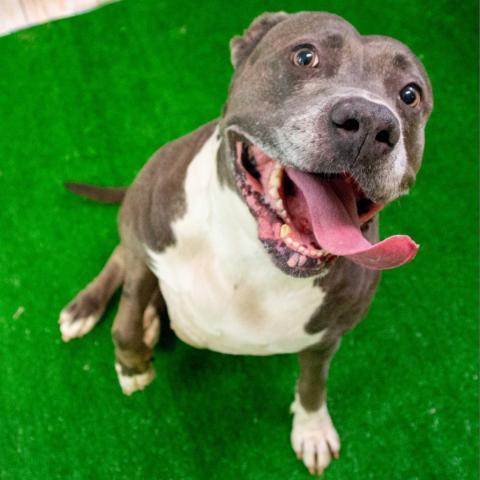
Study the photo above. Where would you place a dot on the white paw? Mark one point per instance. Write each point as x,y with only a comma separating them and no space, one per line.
151,326
71,327
314,438
133,383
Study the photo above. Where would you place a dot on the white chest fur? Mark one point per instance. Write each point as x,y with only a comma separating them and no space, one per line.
222,290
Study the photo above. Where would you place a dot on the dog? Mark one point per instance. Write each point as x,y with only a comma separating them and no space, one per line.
258,232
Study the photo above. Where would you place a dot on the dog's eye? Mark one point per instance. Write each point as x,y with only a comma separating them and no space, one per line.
410,95
305,57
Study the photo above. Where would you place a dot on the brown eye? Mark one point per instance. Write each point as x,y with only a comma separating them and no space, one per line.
410,95
305,57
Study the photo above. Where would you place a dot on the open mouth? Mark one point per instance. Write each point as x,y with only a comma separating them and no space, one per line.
305,220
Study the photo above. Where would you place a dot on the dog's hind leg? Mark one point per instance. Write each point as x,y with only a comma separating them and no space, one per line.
151,318
86,309
136,325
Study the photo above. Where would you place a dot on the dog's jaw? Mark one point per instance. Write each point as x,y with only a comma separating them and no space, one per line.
291,251
305,220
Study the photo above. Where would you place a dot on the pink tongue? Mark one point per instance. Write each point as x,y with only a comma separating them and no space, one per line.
333,213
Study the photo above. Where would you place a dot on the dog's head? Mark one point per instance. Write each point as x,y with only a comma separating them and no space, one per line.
315,106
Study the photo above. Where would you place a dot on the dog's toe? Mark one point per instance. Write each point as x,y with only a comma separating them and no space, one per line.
314,438
80,315
151,326
75,327
131,383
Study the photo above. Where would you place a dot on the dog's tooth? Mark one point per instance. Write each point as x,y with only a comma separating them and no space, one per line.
288,241
277,229
281,212
293,260
284,230
273,193
275,177
302,249
275,181
302,260
295,244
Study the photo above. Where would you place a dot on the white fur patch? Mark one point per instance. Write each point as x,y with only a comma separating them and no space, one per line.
71,327
151,326
314,438
222,290
133,383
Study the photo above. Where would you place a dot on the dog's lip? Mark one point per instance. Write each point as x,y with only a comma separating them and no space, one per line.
324,214
310,218
235,133
370,206
292,249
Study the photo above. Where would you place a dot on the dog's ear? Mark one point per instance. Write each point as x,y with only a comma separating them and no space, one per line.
242,46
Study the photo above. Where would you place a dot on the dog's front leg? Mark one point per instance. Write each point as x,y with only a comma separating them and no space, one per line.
314,438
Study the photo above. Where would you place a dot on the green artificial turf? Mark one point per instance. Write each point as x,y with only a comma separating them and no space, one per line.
90,98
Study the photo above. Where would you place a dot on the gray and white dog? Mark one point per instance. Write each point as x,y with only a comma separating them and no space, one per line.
258,231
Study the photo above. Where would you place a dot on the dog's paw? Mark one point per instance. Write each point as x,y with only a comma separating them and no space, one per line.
79,317
132,382
151,326
314,438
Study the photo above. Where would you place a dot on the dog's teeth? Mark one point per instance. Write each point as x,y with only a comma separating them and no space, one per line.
276,229
302,249
284,231
293,260
281,212
295,244
275,181
273,193
288,241
302,260
275,177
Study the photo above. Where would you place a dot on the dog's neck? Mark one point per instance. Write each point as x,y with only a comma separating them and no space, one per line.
219,207
224,221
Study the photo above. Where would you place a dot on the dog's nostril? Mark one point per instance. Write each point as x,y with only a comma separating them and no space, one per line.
350,125
383,137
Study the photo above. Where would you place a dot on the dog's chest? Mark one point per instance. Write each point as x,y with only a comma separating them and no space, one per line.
222,290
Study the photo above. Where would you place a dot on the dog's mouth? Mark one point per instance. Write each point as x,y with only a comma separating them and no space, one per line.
305,220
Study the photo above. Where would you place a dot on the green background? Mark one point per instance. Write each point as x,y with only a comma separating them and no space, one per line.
90,98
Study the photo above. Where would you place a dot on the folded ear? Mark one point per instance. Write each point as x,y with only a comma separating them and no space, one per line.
242,46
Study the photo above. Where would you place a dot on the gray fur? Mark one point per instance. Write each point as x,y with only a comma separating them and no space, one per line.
286,111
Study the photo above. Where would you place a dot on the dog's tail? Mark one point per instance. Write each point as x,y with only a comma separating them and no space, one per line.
98,194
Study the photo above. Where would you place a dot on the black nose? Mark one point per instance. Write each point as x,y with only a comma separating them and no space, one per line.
360,126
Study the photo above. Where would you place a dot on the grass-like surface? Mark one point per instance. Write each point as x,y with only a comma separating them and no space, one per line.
90,98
